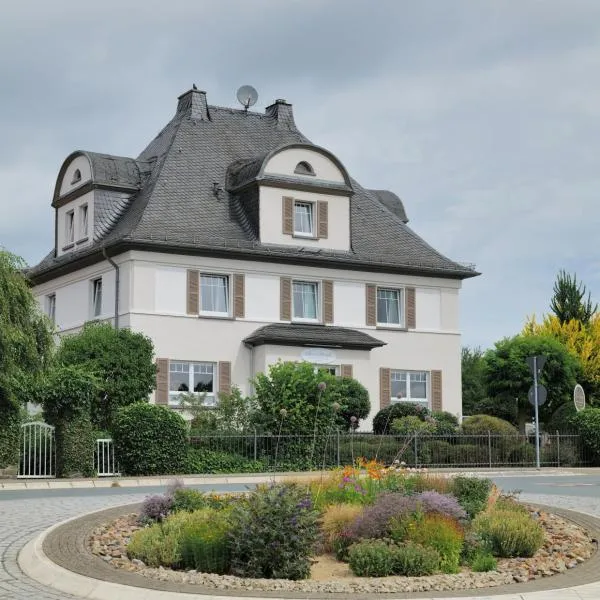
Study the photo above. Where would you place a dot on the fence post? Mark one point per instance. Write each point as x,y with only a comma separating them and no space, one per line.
338,447
255,446
558,448
416,450
490,447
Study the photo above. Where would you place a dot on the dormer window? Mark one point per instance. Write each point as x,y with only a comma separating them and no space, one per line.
83,221
304,168
76,177
304,222
70,227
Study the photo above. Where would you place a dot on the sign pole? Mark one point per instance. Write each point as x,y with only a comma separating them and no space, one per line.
537,419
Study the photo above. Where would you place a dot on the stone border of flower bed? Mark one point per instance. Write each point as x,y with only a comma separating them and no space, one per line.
67,546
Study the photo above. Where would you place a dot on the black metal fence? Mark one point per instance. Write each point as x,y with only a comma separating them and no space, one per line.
339,449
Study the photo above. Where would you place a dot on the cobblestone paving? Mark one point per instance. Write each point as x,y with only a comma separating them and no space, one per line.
21,520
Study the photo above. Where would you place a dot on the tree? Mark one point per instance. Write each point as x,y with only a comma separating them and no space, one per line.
121,360
508,377
568,301
25,349
473,380
353,399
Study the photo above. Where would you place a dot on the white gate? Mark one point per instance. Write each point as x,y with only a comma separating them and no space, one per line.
38,452
104,458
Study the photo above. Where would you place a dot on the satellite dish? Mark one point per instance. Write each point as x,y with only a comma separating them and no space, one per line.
247,96
579,398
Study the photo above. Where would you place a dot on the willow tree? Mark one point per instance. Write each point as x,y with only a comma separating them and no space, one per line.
25,349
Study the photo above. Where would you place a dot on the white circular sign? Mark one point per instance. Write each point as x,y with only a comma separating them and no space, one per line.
318,356
579,398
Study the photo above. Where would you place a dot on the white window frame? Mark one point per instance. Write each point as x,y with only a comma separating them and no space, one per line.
401,309
210,398
69,227
51,307
407,373
96,305
329,368
216,313
84,221
318,301
312,216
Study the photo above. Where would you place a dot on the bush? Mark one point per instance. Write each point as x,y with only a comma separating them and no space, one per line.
187,499
214,461
472,493
156,508
567,455
443,534
469,455
385,449
335,520
509,534
437,452
149,440
523,454
353,398
378,558
425,482
383,419
274,533
481,424
484,562
445,423
561,419
587,424
443,504
205,541
412,426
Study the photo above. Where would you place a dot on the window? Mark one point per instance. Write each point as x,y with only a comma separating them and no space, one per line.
330,369
51,307
83,221
76,177
70,227
97,297
411,386
390,306
192,377
214,294
305,301
304,168
304,223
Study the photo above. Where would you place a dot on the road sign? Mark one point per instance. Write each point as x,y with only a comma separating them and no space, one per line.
541,361
579,398
542,395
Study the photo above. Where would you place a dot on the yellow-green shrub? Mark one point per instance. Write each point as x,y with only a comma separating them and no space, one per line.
336,519
509,533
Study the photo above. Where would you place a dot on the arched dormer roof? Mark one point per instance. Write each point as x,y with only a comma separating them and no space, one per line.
242,173
95,171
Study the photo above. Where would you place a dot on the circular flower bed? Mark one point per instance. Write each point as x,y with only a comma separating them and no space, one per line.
363,529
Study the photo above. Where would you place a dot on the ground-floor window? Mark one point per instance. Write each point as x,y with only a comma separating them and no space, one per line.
192,377
410,386
331,369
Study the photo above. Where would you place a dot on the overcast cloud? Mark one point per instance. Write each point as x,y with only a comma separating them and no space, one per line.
484,117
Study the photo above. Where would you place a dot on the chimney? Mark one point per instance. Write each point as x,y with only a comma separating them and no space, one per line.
282,112
193,103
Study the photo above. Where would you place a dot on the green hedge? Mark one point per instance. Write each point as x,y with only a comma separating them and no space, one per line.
75,447
150,440
210,461
587,424
10,423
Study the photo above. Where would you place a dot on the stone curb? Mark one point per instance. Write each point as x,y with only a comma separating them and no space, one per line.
64,545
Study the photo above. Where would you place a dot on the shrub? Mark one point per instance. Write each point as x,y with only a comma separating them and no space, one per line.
509,534
379,558
149,440
211,461
443,504
424,482
156,508
484,562
274,533
353,398
445,423
568,454
412,425
472,493
335,520
436,452
481,424
469,455
205,541
587,424
561,419
383,419
443,534
187,499
523,453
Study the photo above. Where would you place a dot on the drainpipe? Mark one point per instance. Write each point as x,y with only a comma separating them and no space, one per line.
117,285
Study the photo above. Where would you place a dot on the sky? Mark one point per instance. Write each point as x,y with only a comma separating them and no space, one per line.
484,117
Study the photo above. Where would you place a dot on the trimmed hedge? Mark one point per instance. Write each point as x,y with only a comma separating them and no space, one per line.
211,461
382,421
587,424
150,440
10,419
75,447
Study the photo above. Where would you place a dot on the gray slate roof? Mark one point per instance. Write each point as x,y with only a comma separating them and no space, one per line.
184,206
312,335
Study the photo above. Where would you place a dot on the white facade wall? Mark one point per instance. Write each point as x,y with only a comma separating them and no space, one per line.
67,184
81,238
285,162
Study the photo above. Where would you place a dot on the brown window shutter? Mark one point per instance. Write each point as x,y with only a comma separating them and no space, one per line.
239,285
193,292
411,308
371,291
436,390
328,301
162,381
322,219
285,299
346,371
288,215
385,387
224,377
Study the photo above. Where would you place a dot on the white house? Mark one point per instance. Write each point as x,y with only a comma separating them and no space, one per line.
233,242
